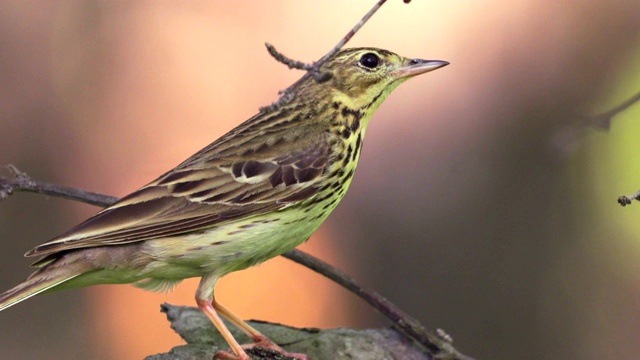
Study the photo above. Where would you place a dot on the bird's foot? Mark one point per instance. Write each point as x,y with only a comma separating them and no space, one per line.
262,348
263,342
258,352
226,355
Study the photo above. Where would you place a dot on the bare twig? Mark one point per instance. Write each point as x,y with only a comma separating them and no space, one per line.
292,64
603,121
435,344
313,69
22,182
565,138
438,344
349,35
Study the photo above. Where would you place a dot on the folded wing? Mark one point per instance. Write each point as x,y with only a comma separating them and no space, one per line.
206,191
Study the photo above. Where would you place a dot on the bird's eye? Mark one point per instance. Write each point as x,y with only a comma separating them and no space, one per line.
370,60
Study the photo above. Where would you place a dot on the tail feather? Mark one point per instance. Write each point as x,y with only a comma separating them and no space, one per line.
40,281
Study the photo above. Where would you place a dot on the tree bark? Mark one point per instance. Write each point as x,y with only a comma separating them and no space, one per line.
203,340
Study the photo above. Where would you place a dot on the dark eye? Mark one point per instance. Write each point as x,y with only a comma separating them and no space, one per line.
370,60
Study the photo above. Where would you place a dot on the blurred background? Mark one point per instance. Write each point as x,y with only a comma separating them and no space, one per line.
485,200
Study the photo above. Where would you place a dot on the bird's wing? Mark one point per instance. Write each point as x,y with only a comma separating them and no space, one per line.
205,191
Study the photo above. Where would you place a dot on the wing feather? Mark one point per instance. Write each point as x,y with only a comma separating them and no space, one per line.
205,191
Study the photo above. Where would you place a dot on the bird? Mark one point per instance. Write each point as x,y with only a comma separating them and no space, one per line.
257,192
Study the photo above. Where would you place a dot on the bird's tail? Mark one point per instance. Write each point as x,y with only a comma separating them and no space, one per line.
49,276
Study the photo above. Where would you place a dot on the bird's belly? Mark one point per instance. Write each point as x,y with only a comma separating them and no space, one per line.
230,247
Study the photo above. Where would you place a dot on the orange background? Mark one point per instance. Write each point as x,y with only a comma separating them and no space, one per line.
470,208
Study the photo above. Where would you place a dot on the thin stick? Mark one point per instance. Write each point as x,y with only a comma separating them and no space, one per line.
292,64
349,35
603,121
313,70
22,182
438,343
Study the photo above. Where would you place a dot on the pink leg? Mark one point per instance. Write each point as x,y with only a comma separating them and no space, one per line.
210,307
204,299
258,338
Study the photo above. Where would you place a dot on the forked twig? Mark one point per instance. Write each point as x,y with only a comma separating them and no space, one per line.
603,121
313,69
22,182
292,64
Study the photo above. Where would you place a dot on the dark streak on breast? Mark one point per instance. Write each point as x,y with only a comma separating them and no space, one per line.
358,145
352,118
316,217
322,198
329,204
349,174
375,99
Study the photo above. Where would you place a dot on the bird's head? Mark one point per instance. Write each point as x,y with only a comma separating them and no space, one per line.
361,78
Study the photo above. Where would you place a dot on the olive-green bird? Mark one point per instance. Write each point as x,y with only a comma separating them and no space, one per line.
258,191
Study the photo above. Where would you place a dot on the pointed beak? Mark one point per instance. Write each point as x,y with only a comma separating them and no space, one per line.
419,66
